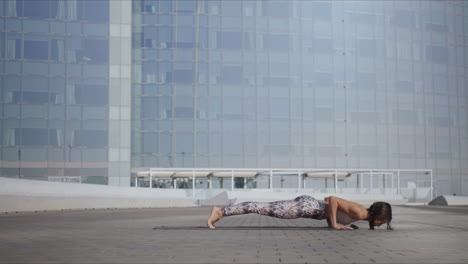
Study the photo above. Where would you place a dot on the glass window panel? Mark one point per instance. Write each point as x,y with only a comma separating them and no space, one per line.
96,51
90,138
366,47
91,112
232,8
96,29
74,28
56,112
13,24
94,154
150,107
317,10
37,8
35,68
229,40
96,11
232,143
437,54
91,94
57,27
231,75
150,142
12,111
279,42
184,142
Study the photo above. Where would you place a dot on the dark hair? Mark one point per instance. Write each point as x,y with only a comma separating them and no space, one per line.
380,211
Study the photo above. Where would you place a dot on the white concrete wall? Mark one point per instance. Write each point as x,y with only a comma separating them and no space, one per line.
27,195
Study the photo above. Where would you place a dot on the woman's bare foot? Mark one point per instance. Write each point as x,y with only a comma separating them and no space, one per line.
216,214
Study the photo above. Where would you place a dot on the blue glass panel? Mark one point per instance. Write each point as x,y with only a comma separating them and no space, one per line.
90,138
36,50
91,94
37,8
95,11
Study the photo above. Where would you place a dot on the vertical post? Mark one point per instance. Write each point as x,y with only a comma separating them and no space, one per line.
245,183
360,183
304,182
210,182
136,181
193,182
392,181
431,185
298,181
398,182
271,180
175,183
232,180
371,180
336,181
151,179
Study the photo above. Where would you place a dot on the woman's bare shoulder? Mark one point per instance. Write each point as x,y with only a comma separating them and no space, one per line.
349,207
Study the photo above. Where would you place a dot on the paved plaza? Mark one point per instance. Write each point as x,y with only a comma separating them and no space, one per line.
178,235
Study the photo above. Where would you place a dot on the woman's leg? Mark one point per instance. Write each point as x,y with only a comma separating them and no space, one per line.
289,209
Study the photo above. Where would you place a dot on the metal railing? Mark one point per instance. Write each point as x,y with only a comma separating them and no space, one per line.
416,185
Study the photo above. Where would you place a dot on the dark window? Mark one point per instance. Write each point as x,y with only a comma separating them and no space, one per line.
279,42
36,8
91,94
36,50
437,54
96,51
90,138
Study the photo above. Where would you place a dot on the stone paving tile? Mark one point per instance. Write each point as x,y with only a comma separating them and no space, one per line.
421,235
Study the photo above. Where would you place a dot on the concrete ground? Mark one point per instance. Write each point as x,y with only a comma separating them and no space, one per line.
178,235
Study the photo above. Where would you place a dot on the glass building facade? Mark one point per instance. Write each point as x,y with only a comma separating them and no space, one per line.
55,79
92,91
302,84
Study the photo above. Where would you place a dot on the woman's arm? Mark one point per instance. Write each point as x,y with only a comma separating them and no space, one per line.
333,205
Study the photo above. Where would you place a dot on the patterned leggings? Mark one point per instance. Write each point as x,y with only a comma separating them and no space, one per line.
302,206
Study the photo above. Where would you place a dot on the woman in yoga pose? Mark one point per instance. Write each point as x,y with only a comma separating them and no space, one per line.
338,212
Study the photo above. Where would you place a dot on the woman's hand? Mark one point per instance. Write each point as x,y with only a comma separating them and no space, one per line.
342,227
